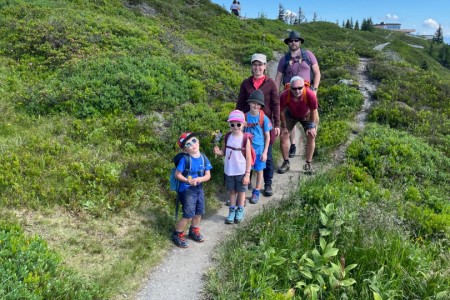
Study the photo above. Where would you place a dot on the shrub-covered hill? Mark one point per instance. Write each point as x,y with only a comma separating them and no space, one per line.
94,93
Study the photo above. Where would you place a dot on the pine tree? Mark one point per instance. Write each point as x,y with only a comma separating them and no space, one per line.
315,16
347,24
439,35
356,25
301,16
281,12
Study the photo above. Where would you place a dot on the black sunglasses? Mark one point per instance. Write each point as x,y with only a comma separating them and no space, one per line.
238,124
297,88
291,41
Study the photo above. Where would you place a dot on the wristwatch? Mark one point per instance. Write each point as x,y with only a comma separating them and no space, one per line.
313,88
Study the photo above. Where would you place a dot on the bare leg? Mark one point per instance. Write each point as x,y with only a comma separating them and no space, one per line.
241,199
284,143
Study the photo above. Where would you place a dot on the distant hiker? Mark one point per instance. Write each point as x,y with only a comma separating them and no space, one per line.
297,62
239,8
298,104
234,8
271,108
237,165
190,192
259,125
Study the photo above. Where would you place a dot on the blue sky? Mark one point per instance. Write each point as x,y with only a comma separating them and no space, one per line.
423,16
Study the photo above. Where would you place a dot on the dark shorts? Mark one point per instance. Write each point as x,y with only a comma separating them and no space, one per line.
292,121
234,183
193,201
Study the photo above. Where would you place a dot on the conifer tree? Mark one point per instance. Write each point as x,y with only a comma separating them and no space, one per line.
356,25
301,16
347,24
315,16
439,35
281,12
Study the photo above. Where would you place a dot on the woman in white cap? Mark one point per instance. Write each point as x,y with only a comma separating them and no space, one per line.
260,81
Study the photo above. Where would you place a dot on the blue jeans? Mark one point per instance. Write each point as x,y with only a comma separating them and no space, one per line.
268,171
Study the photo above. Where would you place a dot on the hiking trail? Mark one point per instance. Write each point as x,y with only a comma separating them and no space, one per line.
180,274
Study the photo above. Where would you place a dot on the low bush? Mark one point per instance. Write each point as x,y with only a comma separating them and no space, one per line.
29,270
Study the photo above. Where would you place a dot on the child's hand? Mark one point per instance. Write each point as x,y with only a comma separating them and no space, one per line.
216,150
264,156
246,179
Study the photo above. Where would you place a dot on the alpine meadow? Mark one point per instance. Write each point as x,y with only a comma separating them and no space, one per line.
93,95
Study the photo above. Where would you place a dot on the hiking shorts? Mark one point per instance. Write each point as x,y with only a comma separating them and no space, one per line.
259,165
193,201
292,121
234,183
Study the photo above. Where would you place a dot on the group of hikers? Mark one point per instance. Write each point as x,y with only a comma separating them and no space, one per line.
262,114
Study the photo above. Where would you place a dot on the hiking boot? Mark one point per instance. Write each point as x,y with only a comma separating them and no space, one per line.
228,203
231,216
179,240
308,169
292,150
239,215
284,167
255,197
268,191
194,233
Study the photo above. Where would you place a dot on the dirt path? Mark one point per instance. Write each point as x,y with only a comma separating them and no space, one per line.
180,274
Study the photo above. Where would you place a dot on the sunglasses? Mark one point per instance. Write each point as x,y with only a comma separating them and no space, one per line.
191,143
297,88
238,125
291,41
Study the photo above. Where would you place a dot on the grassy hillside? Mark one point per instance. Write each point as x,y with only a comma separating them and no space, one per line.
94,93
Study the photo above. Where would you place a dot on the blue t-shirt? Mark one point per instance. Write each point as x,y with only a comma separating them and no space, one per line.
197,169
257,131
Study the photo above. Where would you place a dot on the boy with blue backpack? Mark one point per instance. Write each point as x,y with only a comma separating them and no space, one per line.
261,137
193,168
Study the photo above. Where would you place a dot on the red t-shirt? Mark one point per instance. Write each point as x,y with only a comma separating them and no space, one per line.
298,109
258,81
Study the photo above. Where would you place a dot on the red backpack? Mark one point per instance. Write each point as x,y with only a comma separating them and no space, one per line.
247,136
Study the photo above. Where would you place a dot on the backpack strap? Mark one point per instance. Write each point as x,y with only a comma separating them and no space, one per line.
287,59
260,122
305,57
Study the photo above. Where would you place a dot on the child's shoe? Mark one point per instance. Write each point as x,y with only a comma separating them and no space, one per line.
231,216
179,240
194,233
255,197
239,215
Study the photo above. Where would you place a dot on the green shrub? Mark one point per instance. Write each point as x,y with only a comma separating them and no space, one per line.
133,84
29,270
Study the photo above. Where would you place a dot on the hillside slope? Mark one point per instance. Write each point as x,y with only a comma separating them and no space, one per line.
94,93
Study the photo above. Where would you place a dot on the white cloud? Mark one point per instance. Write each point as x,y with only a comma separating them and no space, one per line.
430,23
391,17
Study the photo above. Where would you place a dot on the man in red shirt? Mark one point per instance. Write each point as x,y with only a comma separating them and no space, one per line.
298,104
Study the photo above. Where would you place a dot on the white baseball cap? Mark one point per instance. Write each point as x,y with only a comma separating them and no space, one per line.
259,57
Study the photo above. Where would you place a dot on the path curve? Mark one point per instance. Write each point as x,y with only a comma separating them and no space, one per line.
180,274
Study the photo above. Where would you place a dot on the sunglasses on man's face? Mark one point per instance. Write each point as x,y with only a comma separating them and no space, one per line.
291,41
237,124
297,88
191,143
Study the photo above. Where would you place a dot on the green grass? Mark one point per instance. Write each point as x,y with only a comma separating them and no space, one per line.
94,93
